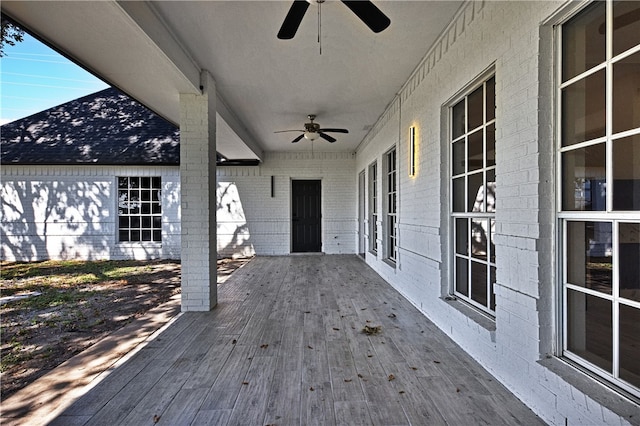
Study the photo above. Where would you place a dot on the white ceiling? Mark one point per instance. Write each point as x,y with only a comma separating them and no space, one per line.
155,50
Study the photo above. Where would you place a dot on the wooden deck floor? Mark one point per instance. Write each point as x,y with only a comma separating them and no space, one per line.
285,347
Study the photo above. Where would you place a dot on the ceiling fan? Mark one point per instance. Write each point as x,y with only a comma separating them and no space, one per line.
312,131
364,9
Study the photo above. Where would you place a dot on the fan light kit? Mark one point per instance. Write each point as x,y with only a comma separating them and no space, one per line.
313,131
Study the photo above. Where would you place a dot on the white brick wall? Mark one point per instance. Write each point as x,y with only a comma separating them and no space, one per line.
507,36
250,221
70,212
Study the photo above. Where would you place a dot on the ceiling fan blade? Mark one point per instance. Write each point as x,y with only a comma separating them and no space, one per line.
285,131
369,14
298,138
327,137
293,19
334,130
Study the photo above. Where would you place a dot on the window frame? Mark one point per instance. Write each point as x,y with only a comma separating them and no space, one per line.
608,215
373,207
390,231
484,216
153,216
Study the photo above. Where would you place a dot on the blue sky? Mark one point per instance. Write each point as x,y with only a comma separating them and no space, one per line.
34,77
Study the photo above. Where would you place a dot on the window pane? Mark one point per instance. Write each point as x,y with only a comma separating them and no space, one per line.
629,344
135,235
135,221
145,195
145,208
491,145
583,178
123,183
157,222
583,110
626,25
476,193
458,194
491,289
462,285
589,260
458,157
626,173
157,235
589,329
156,182
583,43
475,151
479,238
492,246
491,99
146,235
629,258
458,120
491,191
626,93
134,182
146,221
462,235
145,182
123,222
479,282
123,236
475,104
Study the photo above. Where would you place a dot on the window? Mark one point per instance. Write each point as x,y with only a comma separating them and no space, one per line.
390,206
139,209
373,208
599,173
473,195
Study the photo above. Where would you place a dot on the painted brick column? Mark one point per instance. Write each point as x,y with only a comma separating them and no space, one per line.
198,197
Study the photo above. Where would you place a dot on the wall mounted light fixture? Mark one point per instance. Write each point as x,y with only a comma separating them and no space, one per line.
412,151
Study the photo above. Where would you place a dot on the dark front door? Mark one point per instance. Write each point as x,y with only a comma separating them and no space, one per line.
306,216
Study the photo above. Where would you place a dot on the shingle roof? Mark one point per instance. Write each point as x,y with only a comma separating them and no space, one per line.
106,127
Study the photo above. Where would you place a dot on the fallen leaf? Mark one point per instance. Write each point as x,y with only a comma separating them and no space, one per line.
309,346
234,341
360,375
436,362
311,389
391,377
347,380
245,383
457,390
264,346
336,329
372,329
156,418
391,315
401,392
414,368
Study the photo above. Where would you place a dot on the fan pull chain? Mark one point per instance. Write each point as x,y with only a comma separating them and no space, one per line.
320,24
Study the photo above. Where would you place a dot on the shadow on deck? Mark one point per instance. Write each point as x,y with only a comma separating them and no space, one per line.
285,346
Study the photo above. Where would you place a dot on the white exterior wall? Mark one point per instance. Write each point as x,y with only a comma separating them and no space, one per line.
517,347
71,212
251,221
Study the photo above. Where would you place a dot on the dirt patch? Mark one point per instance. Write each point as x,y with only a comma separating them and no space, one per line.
53,310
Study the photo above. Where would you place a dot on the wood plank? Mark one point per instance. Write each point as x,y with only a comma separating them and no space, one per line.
184,407
222,395
352,413
250,406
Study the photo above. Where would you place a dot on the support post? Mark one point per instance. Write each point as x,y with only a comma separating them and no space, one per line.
198,197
